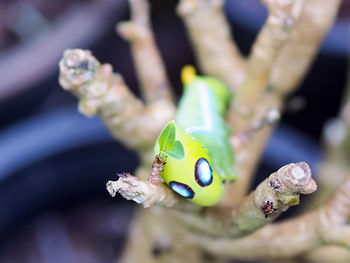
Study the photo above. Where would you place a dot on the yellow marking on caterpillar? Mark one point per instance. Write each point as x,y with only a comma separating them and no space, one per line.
188,73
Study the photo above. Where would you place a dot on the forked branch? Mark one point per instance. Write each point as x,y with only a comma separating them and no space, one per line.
313,19
210,35
271,198
266,48
147,59
324,226
102,92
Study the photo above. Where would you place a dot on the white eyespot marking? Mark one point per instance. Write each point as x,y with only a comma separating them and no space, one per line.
182,189
203,173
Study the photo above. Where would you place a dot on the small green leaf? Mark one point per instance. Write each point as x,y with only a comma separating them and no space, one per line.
166,137
176,151
156,149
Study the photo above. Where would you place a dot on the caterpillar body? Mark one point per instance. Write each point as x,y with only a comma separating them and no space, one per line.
196,148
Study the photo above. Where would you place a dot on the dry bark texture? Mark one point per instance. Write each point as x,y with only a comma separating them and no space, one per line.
172,229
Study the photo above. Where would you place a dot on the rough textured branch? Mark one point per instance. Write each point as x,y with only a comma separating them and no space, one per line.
210,34
305,38
179,234
148,193
249,155
239,140
292,63
148,62
265,51
142,192
102,92
271,198
252,99
324,226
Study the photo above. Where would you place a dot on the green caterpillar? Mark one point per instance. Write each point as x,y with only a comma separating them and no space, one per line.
196,147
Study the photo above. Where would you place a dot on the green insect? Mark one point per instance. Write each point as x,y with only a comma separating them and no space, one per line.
196,148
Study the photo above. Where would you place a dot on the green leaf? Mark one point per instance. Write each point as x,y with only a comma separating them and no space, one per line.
156,149
167,137
167,145
176,151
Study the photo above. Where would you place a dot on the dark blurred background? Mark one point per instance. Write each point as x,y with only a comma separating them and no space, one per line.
54,163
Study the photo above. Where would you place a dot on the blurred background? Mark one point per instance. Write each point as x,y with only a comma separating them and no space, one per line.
54,163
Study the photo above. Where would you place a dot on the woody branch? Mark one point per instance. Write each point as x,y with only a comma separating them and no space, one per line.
271,198
213,43
149,66
312,20
324,226
102,92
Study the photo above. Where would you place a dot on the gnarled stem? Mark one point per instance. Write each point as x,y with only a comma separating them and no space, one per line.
271,198
151,192
266,48
305,38
101,91
148,62
210,35
291,238
289,68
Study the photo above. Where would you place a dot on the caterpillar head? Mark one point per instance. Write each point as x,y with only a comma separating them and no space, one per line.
188,169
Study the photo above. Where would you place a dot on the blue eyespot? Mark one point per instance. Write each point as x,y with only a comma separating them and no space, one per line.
182,189
203,173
